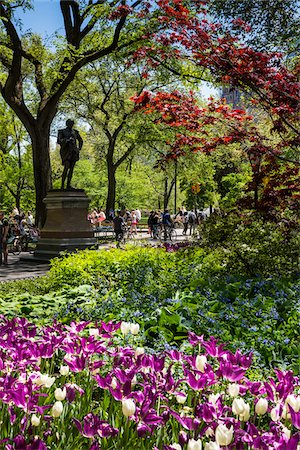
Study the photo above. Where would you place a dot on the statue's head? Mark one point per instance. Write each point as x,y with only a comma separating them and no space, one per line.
70,123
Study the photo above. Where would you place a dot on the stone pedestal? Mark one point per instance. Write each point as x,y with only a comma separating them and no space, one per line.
66,227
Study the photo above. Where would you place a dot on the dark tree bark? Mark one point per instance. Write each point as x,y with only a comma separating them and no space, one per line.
111,194
168,191
42,169
112,167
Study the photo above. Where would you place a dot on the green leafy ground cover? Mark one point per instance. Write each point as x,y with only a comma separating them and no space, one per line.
205,289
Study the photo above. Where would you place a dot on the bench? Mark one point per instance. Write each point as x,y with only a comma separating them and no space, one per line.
104,232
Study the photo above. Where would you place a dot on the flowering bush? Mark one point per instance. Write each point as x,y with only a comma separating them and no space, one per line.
86,386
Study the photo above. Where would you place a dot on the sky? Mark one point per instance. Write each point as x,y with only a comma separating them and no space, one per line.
46,18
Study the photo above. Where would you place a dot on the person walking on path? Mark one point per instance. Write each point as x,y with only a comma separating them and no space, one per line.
192,221
185,221
4,229
119,224
138,215
167,223
150,223
134,222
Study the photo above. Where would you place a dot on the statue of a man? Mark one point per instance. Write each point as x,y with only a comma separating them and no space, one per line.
69,151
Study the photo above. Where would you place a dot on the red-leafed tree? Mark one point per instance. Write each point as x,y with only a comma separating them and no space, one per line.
206,128
189,36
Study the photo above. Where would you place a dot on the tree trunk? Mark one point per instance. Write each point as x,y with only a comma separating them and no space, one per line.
111,194
168,191
18,200
42,170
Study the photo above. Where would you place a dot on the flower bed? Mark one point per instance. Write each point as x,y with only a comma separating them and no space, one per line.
86,386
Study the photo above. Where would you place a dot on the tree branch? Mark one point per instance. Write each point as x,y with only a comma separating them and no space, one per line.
124,156
72,21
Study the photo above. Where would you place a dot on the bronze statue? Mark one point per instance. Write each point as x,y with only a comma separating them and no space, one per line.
69,151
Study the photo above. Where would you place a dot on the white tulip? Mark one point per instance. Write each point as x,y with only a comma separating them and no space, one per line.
125,328
261,406
181,398
35,420
233,389
139,351
134,328
213,398
128,407
285,412
224,435
212,446
60,394
275,414
246,414
64,370
286,431
241,409
57,409
93,331
176,446
209,432
294,402
45,380
194,445
201,362
114,382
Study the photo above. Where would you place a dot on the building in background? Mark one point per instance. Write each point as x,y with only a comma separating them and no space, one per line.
232,96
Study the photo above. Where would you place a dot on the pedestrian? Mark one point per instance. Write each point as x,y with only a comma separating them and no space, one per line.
111,214
167,223
191,221
94,217
29,219
185,222
4,232
150,223
166,218
118,223
133,227
101,217
155,225
200,217
138,215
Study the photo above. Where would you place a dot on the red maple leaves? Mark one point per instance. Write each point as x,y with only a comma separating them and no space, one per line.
207,128
185,33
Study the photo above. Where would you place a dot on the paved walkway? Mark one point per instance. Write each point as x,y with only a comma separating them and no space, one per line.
19,268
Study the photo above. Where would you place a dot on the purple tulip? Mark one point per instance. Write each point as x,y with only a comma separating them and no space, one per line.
72,389
37,444
291,444
93,426
295,416
231,372
76,363
194,339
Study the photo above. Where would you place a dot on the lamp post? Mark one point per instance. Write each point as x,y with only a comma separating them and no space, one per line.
175,187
